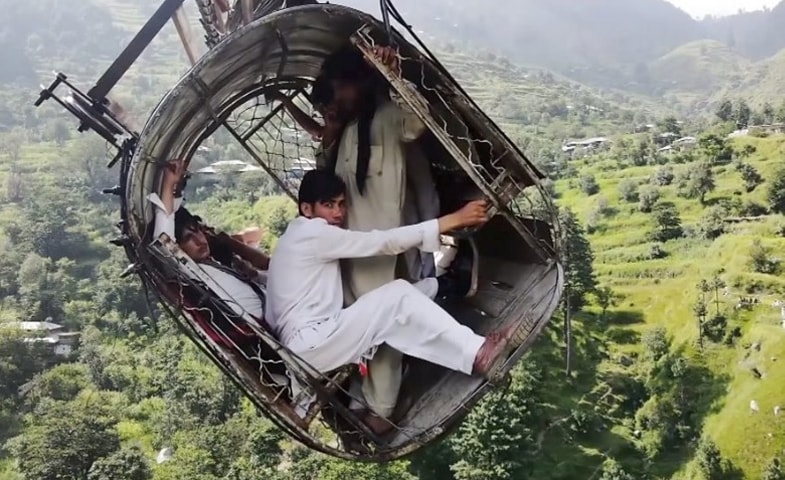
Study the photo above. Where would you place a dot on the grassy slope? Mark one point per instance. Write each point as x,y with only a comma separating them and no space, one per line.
764,83
698,67
663,292
665,301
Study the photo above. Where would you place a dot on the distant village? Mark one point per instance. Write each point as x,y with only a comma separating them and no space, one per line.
55,337
668,142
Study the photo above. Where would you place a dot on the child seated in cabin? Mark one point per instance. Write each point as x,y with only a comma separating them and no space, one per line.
237,268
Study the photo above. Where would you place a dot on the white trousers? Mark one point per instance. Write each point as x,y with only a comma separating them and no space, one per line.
398,315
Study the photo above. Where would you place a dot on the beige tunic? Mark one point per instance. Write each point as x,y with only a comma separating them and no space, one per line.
381,207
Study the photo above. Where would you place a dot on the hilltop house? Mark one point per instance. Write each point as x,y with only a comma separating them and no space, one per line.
61,341
586,146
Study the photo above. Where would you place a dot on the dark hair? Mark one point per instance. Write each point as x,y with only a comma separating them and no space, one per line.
348,65
319,186
184,220
322,92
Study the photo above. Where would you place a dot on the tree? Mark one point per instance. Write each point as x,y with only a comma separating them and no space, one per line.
663,176
648,198
126,464
497,439
776,194
725,111
656,343
747,151
715,148
768,113
589,185
712,223
742,114
64,441
749,175
577,259
667,224
699,182
14,185
700,311
628,190
710,463
612,470
11,143
760,259
60,133
669,125
606,298
774,470
780,115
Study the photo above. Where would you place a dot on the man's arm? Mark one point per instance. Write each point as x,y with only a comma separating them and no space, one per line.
166,205
407,122
164,221
255,257
333,243
303,119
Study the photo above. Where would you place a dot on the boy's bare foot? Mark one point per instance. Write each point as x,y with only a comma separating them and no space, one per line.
495,345
378,425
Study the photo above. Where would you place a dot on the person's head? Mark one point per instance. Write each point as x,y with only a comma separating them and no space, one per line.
190,236
322,94
350,78
322,195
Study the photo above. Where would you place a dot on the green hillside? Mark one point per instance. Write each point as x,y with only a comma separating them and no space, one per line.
640,403
764,82
699,67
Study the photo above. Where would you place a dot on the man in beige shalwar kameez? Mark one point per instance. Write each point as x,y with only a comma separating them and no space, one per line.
377,197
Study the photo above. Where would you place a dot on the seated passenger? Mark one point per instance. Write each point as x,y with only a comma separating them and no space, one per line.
305,297
239,279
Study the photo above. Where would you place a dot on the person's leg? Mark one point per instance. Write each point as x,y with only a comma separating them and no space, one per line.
381,386
396,314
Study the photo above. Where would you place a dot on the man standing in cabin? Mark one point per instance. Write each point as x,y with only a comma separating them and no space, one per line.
370,155
305,298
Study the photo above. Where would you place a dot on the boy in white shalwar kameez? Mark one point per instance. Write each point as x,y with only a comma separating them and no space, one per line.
305,294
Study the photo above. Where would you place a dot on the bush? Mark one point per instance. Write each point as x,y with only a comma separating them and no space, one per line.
760,259
752,209
628,190
715,328
749,175
776,195
667,223
648,197
657,251
589,185
655,343
712,224
774,470
663,176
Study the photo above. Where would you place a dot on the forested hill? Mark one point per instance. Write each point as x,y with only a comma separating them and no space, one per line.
673,225
608,43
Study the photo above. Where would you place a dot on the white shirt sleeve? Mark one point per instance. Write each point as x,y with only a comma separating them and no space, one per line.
164,221
334,243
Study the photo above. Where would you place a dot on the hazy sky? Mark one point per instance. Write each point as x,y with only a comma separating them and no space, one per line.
699,8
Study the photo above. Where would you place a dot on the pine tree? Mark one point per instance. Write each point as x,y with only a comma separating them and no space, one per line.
498,438
578,258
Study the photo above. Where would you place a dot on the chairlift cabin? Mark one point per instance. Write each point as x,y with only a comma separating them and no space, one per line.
257,49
